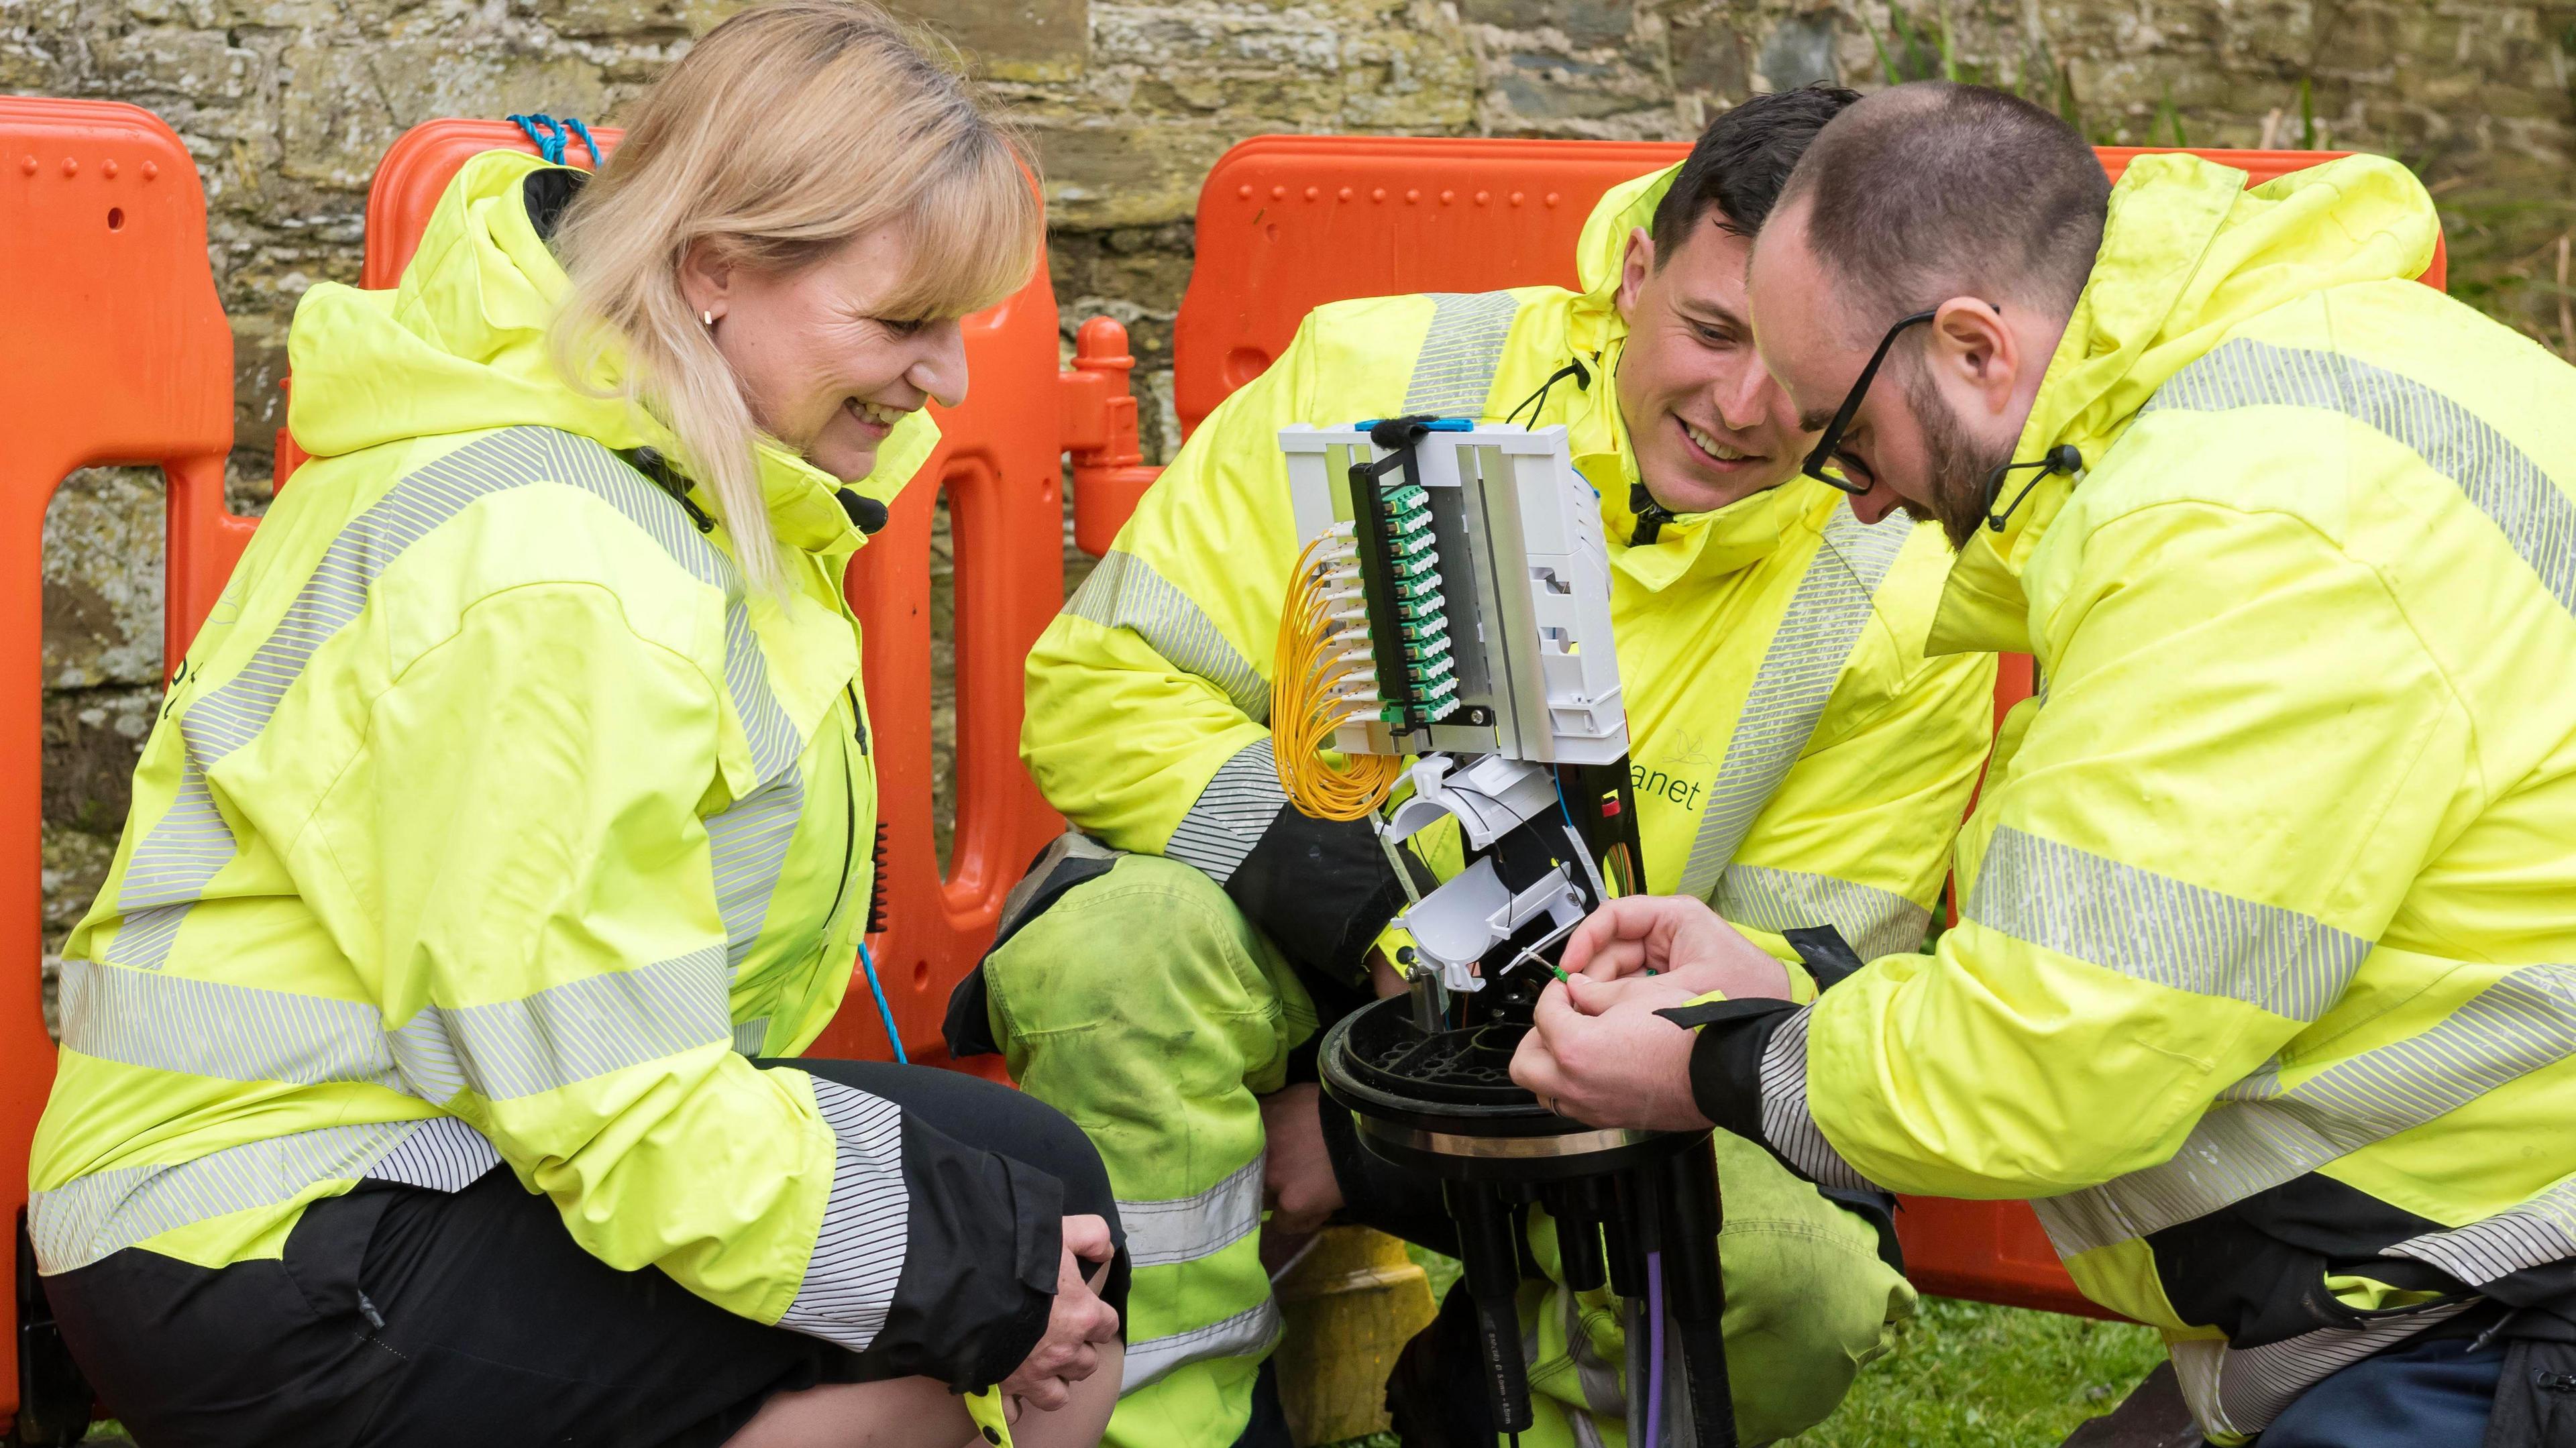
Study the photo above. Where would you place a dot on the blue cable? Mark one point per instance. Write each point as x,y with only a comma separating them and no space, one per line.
885,1012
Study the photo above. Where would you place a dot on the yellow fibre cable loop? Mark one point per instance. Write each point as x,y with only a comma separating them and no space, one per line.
1322,677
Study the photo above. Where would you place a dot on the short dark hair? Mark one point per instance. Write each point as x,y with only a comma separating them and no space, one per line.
1933,190
1739,164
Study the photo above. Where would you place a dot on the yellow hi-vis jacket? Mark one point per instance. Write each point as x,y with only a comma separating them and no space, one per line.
2264,985
1796,760
493,820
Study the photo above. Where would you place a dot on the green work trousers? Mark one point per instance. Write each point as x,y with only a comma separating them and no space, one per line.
1143,1005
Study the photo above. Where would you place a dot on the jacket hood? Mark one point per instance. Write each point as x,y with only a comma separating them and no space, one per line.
460,346
2188,254
1718,542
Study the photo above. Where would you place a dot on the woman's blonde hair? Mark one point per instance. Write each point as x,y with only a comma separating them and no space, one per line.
785,132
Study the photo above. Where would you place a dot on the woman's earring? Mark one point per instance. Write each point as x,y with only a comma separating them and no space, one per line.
707,317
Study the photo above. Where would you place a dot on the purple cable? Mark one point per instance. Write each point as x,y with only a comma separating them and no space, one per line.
1654,1350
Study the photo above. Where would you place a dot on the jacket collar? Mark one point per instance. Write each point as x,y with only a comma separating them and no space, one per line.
2188,255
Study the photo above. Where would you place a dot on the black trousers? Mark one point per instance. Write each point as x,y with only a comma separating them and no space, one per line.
405,1318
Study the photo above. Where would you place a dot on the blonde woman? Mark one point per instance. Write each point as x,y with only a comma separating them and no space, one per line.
512,816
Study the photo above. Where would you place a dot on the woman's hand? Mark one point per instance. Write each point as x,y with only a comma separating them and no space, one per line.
1679,938
1078,1321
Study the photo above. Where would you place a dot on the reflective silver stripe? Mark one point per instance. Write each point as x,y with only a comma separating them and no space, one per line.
1125,592
2260,1134
2155,928
1597,1375
184,850
1824,619
2535,514
2539,1232
1454,371
443,1154
228,1032
567,1033
750,1036
1876,922
1786,1122
1183,1229
2241,1390
1231,814
747,847
81,1221
172,865
1246,1334
858,1254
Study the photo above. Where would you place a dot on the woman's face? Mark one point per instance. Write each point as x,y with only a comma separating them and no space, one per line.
821,368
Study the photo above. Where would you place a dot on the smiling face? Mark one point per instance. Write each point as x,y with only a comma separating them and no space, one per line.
1944,409
822,370
1708,424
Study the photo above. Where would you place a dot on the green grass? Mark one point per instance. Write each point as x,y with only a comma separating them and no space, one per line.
1967,1375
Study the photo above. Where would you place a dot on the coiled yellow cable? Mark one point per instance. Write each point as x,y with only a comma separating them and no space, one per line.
1321,678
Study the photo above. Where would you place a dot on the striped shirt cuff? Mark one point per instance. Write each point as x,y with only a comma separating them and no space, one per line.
858,1253
1749,1075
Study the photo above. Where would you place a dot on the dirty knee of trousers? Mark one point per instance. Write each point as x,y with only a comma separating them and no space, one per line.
1143,1006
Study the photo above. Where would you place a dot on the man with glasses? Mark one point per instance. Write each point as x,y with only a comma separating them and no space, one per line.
2263,986
1164,976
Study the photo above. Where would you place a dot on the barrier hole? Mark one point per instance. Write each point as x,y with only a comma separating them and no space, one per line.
921,975
100,628
943,685
116,218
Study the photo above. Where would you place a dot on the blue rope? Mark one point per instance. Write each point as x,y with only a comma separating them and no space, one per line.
583,131
553,139
885,1012
549,144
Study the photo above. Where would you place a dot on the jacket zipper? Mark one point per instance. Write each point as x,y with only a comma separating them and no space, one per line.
849,813
1651,516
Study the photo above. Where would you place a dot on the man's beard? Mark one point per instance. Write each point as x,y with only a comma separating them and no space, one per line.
1959,467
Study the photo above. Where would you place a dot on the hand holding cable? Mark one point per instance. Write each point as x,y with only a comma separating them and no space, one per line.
1673,936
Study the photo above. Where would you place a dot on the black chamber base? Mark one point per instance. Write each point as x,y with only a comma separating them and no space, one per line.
1628,1203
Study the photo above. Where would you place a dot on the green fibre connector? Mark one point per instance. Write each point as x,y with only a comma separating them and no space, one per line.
1415,566
1420,631
1435,647
1407,496
1418,609
1410,544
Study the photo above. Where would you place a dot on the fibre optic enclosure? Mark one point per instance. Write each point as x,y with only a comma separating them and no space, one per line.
1488,589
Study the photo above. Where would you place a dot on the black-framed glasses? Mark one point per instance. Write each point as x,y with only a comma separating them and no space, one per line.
1821,462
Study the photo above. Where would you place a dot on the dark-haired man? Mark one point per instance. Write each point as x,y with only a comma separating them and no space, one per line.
1798,762
2263,981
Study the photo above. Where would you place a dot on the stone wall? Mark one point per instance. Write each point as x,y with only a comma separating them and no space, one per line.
287,104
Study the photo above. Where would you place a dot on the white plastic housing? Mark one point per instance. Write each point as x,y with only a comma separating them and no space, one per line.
1529,604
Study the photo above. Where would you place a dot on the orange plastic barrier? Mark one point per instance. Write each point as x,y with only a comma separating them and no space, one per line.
1288,223
113,349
